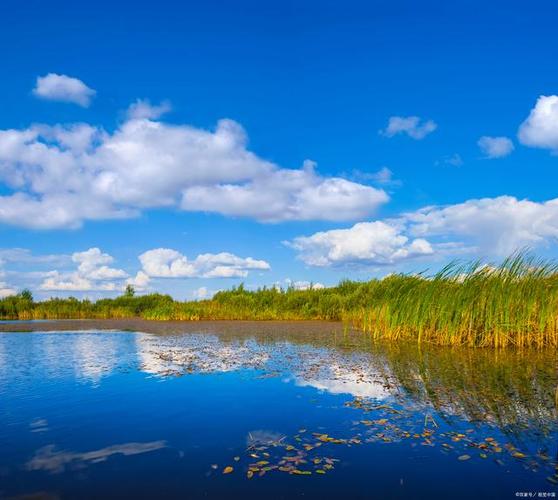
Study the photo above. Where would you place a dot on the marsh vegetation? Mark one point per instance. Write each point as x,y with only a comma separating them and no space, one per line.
514,304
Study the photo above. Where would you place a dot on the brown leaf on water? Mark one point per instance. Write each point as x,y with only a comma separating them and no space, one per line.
227,470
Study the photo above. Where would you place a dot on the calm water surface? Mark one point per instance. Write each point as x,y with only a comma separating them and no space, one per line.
123,414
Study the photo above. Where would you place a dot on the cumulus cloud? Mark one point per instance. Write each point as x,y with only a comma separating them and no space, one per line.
498,225
54,87
540,129
495,147
372,243
92,274
92,265
140,281
410,125
489,226
287,195
74,282
168,263
59,176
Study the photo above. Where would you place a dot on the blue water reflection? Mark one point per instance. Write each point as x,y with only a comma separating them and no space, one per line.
120,414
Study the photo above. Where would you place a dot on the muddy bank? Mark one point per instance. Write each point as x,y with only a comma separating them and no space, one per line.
287,330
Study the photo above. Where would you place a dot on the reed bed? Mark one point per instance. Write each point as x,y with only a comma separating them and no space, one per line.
514,304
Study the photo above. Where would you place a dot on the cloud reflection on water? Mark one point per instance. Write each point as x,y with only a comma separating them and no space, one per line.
49,459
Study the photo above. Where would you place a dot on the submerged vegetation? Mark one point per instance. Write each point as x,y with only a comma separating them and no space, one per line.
513,304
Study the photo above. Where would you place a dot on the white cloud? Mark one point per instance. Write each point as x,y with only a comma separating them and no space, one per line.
168,263
495,147
487,227
74,282
201,293
368,243
5,289
63,88
92,264
410,125
493,225
540,129
143,109
60,176
92,274
287,195
140,281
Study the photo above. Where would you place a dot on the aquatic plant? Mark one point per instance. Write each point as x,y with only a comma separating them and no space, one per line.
514,304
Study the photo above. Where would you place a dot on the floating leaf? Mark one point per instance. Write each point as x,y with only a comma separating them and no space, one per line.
464,457
227,470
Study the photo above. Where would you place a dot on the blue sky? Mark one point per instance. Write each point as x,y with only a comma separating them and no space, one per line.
360,138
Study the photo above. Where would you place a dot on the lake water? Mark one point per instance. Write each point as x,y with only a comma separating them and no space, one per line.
239,413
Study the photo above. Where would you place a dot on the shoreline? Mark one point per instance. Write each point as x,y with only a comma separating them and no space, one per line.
176,326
